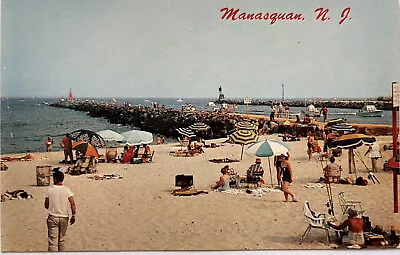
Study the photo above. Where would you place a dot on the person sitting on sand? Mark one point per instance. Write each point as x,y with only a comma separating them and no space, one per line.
332,169
355,227
234,176
223,182
255,170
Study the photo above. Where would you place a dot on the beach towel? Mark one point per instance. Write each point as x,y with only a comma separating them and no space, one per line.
188,192
223,160
105,177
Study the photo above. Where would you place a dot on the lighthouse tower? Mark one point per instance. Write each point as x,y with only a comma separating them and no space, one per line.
221,95
70,95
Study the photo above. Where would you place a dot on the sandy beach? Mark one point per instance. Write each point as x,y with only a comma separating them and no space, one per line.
138,211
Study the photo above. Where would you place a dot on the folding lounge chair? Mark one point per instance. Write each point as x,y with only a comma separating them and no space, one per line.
345,205
315,220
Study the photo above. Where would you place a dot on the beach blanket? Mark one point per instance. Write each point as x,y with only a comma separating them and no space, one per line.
105,177
223,160
27,157
182,154
188,192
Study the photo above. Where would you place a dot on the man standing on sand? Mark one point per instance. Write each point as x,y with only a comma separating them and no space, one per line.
66,143
56,202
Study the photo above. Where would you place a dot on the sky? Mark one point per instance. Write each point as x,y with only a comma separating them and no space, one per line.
184,49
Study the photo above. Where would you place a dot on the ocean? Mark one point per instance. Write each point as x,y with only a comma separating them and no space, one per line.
26,123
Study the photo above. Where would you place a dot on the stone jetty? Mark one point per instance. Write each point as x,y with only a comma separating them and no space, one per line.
381,103
161,120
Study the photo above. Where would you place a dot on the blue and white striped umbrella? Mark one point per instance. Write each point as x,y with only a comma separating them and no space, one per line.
186,132
267,148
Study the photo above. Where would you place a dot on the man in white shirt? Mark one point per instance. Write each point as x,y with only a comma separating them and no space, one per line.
56,202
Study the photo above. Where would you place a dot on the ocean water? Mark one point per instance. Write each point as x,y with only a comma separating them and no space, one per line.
26,123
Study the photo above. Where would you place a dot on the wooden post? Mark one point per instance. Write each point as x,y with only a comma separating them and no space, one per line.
270,172
395,120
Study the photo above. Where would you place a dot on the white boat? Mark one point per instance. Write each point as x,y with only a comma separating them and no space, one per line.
211,104
370,111
179,100
45,103
311,111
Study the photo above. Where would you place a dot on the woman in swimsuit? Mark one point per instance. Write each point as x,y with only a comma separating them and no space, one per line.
287,177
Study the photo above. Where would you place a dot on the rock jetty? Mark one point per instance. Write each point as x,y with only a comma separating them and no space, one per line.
161,120
380,103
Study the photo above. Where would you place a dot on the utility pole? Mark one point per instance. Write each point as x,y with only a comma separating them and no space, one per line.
283,92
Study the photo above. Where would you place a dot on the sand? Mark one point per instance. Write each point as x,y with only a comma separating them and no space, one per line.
138,212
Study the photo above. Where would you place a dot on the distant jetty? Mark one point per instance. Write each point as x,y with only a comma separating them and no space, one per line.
380,103
164,121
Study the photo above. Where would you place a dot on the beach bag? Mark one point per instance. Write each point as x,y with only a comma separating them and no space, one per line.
349,180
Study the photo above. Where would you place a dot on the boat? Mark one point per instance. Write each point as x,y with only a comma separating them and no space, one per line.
45,103
369,111
211,104
311,111
179,100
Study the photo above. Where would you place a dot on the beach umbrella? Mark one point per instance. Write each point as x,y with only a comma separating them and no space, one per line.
86,149
268,148
137,137
244,137
245,125
186,132
110,135
351,141
335,122
199,126
343,128
84,135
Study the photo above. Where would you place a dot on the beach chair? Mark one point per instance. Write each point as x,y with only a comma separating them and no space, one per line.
129,155
111,154
345,205
315,220
80,166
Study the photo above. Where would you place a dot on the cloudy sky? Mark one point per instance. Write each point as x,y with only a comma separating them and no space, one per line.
182,48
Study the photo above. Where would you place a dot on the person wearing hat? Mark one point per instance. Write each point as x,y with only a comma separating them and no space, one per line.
255,170
355,227
287,177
